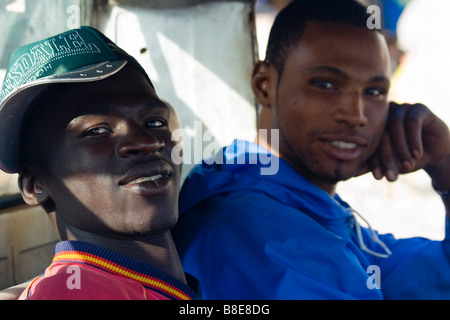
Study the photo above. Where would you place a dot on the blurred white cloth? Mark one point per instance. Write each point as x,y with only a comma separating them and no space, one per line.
423,77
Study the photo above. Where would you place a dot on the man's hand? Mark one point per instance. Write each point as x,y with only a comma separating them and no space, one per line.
414,139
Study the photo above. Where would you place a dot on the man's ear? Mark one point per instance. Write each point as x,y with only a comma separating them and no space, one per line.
33,191
262,83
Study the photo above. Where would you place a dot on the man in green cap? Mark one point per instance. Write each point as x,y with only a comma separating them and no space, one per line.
82,125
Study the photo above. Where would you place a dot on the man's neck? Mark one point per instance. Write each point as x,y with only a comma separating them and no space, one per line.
157,250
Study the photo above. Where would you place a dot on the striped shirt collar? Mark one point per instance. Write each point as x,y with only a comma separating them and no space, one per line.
115,263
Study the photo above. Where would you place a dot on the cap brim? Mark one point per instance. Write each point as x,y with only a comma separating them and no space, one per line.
15,105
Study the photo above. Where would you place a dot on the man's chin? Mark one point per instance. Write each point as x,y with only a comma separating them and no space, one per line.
340,174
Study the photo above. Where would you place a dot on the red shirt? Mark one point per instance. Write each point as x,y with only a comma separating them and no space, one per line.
83,271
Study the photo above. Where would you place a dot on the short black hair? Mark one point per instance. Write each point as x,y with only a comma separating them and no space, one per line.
290,23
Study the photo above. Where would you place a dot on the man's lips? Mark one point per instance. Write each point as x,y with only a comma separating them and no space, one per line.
145,179
148,178
343,147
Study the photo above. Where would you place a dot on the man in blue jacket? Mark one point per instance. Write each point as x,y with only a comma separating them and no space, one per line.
246,233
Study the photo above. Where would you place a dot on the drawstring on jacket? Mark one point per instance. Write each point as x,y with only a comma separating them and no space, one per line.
374,237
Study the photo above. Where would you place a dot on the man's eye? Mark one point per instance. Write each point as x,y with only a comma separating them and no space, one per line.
96,131
155,123
375,92
323,84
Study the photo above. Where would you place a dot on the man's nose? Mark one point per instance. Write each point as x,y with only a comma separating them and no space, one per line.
138,141
351,110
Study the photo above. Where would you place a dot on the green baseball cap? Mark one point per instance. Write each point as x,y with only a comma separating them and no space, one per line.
78,55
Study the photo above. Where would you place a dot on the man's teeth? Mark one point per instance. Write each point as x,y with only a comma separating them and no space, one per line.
343,144
144,179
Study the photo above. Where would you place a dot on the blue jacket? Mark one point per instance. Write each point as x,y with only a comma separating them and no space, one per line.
250,236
